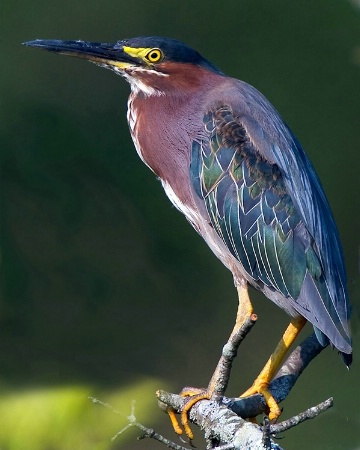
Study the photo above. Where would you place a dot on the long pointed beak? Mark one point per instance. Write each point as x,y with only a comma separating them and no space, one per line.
104,54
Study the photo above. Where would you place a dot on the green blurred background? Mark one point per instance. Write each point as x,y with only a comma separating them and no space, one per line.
106,290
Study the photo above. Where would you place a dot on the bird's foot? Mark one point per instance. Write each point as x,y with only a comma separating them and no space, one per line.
262,387
193,396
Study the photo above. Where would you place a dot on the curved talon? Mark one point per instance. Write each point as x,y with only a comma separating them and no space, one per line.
275,410
195,395
194,398
174,421
263,389
261,384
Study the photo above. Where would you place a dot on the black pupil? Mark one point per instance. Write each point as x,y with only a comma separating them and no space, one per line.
153,55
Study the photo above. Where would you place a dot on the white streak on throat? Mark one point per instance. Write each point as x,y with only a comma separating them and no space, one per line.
136,84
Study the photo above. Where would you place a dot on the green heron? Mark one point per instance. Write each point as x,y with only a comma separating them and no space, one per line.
231,165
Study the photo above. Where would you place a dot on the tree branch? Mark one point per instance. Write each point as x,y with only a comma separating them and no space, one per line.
310,413
221,376
222,426
222,419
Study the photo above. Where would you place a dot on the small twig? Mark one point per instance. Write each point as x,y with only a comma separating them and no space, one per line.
107,405
310,413
221,376
147,432
150,433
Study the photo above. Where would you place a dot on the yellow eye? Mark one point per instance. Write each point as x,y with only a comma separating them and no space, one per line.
154,55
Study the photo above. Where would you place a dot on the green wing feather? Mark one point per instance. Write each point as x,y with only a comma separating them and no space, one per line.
249,207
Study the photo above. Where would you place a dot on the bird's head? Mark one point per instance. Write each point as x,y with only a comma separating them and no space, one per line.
152,65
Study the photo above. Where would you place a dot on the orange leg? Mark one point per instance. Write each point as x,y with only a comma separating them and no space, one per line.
261,384
245,310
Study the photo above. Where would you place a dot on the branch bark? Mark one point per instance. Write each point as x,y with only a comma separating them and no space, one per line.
223,419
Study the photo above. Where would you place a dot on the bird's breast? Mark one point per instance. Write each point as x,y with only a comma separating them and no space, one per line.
162,136
165,148
132,118
163,141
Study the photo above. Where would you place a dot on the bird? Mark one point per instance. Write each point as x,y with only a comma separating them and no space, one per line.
231,165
